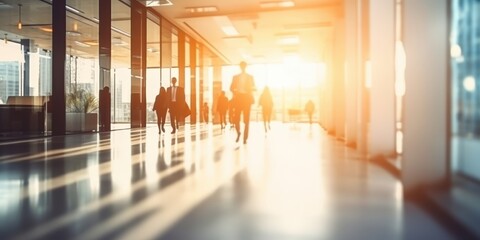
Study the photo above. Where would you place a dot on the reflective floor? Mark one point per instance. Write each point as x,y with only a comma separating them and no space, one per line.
295,182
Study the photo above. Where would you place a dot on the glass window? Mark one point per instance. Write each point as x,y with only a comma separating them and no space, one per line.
82,66
121,67
153,64
25,69
465,66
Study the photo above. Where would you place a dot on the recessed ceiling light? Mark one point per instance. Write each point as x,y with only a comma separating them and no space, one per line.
230,30
157,3
288,39
206,9
226,25
277,4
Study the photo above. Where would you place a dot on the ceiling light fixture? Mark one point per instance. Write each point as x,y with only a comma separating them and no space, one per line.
205,9
72,9
277,4
19,24
226,25
230,30
288,39
46,29
157,3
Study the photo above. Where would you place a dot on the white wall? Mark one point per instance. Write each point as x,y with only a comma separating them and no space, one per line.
351,70
425,127
339,78
381,135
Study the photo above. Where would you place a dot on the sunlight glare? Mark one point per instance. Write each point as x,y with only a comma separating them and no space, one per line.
469,84
121,162
455,51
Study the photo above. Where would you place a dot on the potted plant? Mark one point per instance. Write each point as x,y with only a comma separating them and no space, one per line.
81,105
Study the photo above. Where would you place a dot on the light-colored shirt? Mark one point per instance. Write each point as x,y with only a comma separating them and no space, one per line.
174,93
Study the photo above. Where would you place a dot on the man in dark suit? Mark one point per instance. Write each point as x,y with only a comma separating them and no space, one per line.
242,88
176,101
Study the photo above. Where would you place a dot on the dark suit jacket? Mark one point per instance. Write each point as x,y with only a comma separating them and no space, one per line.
179,108
250,86
180,97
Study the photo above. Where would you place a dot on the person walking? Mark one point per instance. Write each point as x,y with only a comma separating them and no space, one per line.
266,102
160,107
242,87
222,107
176,102
231,113
309,108
205,112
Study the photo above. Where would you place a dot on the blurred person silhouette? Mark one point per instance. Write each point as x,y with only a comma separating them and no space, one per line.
176,104
205,110
222,106
160,106
310,108
231,113
266,102
242,87
105,109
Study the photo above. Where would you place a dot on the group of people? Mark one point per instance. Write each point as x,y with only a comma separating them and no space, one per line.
173,100
242,88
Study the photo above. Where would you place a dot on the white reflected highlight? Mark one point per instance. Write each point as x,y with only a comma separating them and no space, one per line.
455,51
400,65
469,84
399,142
34,190
151,160
122,164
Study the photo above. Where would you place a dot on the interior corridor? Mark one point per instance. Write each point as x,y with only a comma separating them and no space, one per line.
296,182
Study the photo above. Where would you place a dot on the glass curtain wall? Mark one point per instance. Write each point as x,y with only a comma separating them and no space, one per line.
199,83
82,66
169,53
153,64
465,80
188,74
204,58
25,68
121,71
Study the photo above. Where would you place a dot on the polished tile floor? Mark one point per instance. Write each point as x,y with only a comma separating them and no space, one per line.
295,182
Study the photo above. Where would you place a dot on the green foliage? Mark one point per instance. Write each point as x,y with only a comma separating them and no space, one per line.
81,101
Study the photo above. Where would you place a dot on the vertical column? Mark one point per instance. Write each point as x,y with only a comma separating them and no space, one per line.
193,82
381,132
339,79
202,80
363,51
105,45
26,43
426,133
217,82
59,22
181,58
329,90
138,65
351,73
